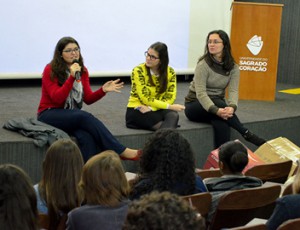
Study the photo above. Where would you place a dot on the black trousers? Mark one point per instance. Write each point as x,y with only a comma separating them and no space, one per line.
137,120
195,112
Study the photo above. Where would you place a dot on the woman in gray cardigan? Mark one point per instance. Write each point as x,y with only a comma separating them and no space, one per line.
215,72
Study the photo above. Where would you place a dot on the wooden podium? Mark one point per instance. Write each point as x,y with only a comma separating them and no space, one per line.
255,37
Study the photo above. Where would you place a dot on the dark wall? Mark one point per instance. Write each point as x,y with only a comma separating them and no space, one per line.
289,62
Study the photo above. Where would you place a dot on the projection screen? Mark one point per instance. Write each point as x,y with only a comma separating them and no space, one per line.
113,34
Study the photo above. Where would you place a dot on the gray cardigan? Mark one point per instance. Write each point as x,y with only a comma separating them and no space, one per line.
208,84
42,133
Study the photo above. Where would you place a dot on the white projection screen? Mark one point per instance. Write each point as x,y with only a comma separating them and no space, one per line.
113,34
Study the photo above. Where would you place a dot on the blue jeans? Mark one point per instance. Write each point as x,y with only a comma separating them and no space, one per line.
91,134
195,112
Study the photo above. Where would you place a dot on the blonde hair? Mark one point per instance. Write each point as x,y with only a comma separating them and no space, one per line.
103,180
296,183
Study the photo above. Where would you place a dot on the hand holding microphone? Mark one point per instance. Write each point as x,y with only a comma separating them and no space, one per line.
75,70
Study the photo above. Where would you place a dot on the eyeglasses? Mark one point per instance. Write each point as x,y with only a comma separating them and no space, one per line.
76,50
214,42
152,57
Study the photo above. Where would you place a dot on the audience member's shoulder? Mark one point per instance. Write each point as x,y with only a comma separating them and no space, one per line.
92,210
254,180
83,210
200,186
143,182
211,180
291,199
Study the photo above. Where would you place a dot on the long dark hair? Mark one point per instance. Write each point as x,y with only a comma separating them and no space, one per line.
162,50
227,58
58,65
18,202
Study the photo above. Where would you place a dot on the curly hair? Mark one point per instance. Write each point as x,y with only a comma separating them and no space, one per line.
18,202
168,163
162,211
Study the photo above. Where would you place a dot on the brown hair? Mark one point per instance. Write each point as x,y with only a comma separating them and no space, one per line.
59,188
18,203
103,180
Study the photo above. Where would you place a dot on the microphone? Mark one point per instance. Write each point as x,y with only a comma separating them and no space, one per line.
77,74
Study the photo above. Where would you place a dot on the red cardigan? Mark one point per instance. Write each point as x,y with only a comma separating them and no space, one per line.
54,95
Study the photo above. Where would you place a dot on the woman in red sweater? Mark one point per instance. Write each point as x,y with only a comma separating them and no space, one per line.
65,86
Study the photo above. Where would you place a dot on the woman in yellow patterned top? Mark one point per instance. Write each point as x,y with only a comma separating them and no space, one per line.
153,92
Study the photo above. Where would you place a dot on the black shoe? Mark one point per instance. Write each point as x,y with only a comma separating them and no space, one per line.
251,137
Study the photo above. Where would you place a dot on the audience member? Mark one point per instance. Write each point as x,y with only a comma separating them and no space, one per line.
287,207
215,72
157,211
233,158
105,190
65,86
167,164
58,191
153,92
18,209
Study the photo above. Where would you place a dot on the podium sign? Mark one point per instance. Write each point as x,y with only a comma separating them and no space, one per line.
255,37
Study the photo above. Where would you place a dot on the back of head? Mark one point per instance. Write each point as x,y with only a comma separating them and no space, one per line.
162,211
103,180
169,159
62,169
234,156
18,203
